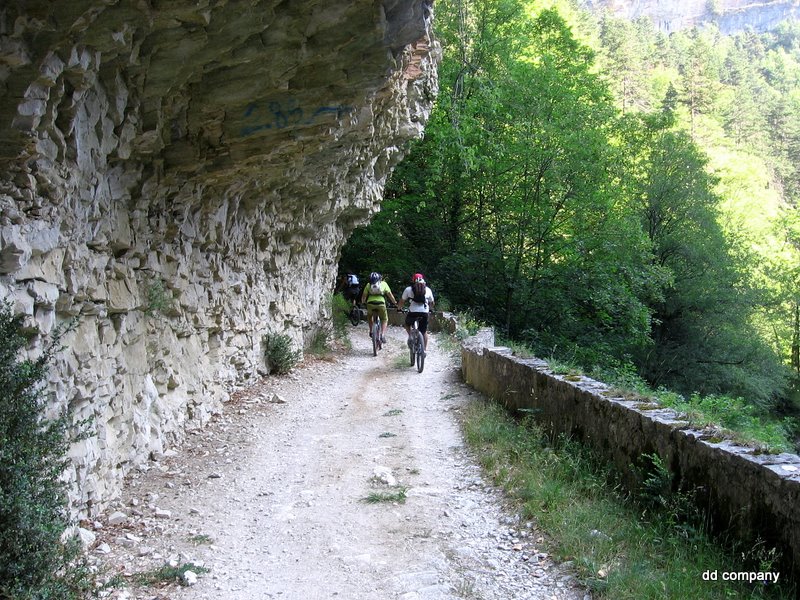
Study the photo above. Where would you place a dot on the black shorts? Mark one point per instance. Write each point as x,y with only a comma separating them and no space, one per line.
421,317
351,293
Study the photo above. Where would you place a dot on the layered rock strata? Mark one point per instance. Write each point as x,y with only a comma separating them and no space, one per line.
731,16
179,177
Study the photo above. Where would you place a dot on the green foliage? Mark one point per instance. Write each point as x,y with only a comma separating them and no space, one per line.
745,422
279,356
606,206
738,97
703,334
656,487
399,497
732,418
340,309
34,561
168,574
159,300
319,345
467,325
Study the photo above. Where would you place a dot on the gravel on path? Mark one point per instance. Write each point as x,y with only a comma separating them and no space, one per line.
272,498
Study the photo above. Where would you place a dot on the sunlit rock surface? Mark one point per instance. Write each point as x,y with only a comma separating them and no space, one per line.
729,15
179,177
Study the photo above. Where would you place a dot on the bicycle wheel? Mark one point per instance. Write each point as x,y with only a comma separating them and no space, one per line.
354,315
376,339
420,352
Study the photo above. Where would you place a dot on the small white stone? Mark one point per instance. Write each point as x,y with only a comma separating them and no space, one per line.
125,542
117,518
384,475
103,549
86,537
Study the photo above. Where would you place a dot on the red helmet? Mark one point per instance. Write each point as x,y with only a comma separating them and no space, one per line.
417,277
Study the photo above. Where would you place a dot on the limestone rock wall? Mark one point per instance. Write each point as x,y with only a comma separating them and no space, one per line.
179,177
730,16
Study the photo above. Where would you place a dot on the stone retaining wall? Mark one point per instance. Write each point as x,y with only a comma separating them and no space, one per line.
439,321
755,496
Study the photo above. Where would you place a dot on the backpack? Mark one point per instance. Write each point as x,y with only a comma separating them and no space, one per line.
352,280
375,289
418,291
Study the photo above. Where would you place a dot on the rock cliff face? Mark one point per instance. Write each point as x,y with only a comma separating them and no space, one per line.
729,15
179,177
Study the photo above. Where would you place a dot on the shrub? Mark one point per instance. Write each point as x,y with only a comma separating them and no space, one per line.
340,310
278,353
467,325
319,345
34,561
159,299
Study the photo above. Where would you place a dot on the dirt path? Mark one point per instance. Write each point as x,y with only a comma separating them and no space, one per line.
271,497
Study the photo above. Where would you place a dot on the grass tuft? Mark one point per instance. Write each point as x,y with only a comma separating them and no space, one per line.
167,574
398,496
201,538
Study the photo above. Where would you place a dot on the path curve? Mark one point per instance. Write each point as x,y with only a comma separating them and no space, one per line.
270,497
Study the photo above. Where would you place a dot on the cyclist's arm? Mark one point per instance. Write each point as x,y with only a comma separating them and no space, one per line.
402,301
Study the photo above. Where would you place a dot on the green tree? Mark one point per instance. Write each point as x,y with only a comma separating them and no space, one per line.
699,68
34,561
578,221
511,199
703,337
742,97
630,53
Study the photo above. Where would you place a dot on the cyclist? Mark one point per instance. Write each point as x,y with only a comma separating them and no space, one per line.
421,305
350,288
374,295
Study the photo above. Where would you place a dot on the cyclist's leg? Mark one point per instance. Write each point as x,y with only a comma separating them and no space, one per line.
384,315
423,327
355,294
407,326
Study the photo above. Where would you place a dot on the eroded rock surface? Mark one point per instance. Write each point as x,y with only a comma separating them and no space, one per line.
731,16
180,176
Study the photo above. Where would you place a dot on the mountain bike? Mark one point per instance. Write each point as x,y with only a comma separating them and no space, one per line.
354,315
416,346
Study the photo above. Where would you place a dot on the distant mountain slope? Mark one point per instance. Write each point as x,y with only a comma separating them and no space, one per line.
730,15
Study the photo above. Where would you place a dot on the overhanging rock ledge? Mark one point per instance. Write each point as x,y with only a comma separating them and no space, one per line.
180,176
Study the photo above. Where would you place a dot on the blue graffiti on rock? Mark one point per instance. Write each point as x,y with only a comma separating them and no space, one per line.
281,114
